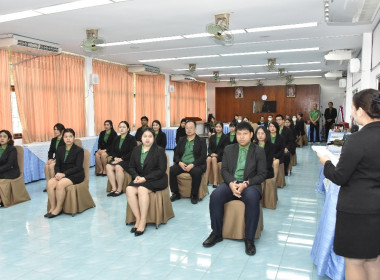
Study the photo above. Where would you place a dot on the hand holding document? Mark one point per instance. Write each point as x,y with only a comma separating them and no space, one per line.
325,155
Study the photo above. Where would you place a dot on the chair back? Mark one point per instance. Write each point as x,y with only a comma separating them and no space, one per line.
20,159
86,164
78,142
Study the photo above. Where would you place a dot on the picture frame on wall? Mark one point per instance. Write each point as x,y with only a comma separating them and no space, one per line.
291,91
239,93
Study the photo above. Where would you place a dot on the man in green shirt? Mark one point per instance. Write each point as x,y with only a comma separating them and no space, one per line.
243,171
314,116
189,156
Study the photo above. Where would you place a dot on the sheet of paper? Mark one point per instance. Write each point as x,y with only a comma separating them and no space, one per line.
323,151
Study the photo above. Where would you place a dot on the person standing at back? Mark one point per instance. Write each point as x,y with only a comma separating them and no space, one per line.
330,116
314,116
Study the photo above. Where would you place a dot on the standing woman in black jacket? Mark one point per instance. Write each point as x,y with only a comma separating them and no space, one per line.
68,171
106,138
54,144
357,231
181,132
159,135
9,168
279,145
217,143
120,151
147,167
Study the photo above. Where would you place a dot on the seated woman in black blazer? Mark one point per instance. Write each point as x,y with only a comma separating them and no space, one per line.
54,144
278,142
231,136
9,168
147,167
106,138
181,132
159,135
120,151
68,171
217,143
262,138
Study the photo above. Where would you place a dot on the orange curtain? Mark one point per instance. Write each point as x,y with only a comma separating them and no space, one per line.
113,96
5,93
49,89
187,100
150,98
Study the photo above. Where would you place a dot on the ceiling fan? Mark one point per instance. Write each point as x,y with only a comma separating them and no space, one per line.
215,76
220,29
92,43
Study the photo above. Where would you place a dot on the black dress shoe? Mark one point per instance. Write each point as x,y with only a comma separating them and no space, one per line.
250,248
45,190
212,240
47,215
175,196
51,215
138,233
133,230
214,186
111,193
117,193
194,199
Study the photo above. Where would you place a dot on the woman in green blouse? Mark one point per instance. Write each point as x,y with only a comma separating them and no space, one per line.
147,167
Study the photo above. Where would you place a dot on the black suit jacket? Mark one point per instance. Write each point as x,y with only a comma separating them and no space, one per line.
161,139
9,168
331,115
105,145
358,172
154,169
279,147
181,132
73,167
199,149
52,149
255,165
269,153
228,139
217,149
126,149
300,127
139,133
289,141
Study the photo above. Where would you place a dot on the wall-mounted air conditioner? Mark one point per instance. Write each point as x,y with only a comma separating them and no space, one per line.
27,45
183,78
143,69
333,75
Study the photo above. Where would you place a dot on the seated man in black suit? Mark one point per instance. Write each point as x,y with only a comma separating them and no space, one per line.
243,171
189,156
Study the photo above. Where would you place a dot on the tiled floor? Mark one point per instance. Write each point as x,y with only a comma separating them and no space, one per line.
97,244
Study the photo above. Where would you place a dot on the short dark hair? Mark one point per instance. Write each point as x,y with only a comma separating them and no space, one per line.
275,125
144,118
243,126
149,129
7,132
300,114
69,130
183,120
331,103
219,122
267,136
60,127
233,123
369,101
279,115
127,124
191,121
246,117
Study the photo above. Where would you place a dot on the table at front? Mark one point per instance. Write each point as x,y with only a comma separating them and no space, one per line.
36,156
322,253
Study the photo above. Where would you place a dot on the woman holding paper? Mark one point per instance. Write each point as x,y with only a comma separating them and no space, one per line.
358,173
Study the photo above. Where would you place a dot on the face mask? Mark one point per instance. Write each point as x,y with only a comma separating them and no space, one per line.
269,119
294,119
239,121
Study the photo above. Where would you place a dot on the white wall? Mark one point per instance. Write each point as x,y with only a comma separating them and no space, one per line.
330,91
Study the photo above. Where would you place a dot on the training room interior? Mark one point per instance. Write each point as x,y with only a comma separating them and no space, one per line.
83,62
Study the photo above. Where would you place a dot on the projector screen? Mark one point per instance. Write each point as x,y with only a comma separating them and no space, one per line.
264,106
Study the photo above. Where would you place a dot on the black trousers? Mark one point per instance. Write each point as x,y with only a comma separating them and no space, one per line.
316,128
196,178
286,161
223,194
327,128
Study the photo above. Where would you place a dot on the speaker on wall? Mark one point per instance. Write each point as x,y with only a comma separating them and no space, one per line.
94,79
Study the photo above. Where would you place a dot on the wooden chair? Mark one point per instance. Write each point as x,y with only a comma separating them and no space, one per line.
78,197
233,221
13,191
269,198
211,176
184,185
293,159
160,207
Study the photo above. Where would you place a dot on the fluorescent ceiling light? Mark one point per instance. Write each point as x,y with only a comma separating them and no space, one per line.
197,35
282,27
300,63
265,73
246,53
254,65
159,39
209,68
158,59
295,50
199,56
114,44
72,6
20,15
304,71
305,77
237,74
238,31
208,75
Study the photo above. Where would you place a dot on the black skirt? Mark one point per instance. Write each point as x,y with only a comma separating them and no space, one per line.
75,178
357,236
122,163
